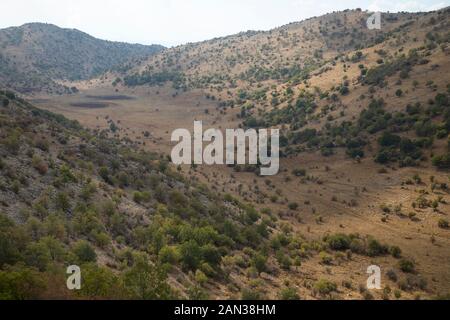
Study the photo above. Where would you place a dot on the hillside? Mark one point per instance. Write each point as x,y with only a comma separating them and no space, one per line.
33,57
364,116
72,196
313,78
286,53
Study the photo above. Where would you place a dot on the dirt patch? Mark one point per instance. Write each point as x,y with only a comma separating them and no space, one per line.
90,105
111,97
37,101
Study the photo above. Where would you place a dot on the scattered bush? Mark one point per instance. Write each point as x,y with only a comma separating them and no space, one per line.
289,294
84,252
407,265
325,287
443,224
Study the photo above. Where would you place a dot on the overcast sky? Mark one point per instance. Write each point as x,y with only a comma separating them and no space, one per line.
173,22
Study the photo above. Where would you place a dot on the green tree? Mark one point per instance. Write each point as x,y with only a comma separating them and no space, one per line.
37,255
191,255
259,262
99,282
21,283
146,281
84,252
12,241
168,255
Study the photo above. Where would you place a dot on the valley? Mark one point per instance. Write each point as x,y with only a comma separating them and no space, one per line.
359,182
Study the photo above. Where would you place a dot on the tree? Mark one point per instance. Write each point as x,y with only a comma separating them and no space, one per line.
259,262
191,255
12,241
168,255
21,283
84,252
99,282
211,255
146,281
338,242
37,255
387,139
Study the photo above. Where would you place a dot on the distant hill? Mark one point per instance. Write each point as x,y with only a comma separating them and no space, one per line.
32,56
288,54
313,78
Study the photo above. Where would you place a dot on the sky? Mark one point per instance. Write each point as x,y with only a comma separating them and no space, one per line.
175,22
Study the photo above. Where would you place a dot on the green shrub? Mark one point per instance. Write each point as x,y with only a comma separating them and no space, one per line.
442,161
84,252
12,142
100,282
141,197
284,261
168,255
299,172
259,262
392,275
395,251
190,255
289,294
39,165
325,258
88,191
37,255
66,175
387,140
407,265
293,205
374,248
443,223
146,281
325,287
338,242
21,283
62,201
200,277
211,255
248,294
104,174
101,239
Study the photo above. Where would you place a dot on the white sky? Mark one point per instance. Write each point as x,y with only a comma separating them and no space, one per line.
173,22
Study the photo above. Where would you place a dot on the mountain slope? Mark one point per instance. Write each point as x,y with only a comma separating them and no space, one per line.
312,78
138,229
285,53
343,96
34,55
